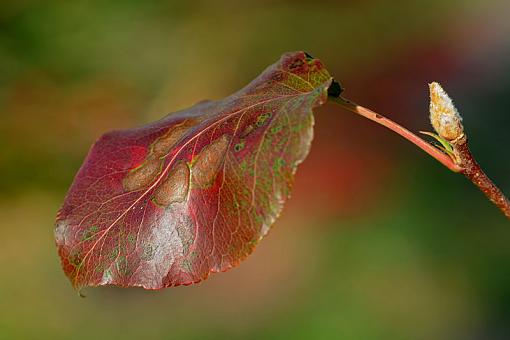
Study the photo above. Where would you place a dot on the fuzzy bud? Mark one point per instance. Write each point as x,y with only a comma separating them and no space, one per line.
444,117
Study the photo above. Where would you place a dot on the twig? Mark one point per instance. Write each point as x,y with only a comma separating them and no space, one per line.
455,153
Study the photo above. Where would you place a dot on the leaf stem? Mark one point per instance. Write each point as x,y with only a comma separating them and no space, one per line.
388,123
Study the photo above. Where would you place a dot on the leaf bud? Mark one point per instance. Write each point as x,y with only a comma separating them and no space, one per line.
444,117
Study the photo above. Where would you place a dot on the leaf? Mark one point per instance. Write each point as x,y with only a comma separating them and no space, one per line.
193,193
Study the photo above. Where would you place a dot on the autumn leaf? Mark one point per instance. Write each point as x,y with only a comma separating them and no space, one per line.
193,193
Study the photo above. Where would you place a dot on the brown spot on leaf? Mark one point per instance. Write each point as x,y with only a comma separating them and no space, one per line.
296,64
163,144
248,130
143,175
186,232
175,187
208,162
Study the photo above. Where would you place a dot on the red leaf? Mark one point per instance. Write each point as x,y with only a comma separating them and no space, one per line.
193,193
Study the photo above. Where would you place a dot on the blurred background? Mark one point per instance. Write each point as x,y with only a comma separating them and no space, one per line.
378,241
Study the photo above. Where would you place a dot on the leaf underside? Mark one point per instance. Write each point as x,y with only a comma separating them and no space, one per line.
170,202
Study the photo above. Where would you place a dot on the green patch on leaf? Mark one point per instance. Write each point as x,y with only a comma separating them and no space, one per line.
90,233
262,119
239,146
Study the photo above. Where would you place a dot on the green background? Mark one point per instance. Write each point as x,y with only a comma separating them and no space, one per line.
378,241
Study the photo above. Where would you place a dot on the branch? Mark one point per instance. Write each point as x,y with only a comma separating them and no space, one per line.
454,153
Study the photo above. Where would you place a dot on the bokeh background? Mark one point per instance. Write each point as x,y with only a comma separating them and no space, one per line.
378,241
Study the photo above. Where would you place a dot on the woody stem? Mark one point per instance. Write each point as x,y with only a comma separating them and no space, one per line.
472,170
